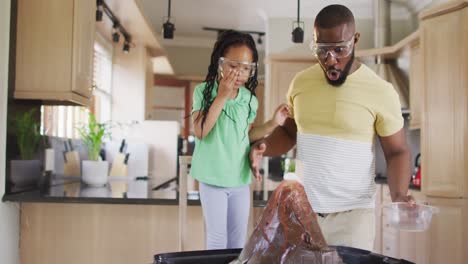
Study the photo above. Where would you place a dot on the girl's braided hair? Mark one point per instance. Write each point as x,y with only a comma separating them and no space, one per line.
226,40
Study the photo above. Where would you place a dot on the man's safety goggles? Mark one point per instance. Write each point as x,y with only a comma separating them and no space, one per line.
337,50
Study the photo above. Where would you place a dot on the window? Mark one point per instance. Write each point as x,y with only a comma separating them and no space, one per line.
102,78
61,121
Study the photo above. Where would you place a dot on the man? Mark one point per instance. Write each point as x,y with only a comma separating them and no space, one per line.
337,108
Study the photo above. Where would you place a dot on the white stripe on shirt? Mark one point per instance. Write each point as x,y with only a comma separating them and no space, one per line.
338,175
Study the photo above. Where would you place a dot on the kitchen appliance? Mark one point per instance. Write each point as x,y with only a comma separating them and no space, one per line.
416,177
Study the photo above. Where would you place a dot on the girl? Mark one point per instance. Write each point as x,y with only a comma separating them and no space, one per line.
224,106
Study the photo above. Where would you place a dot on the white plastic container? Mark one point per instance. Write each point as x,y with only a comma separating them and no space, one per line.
413,218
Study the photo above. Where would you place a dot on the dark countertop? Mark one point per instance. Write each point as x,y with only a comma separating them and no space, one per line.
119,190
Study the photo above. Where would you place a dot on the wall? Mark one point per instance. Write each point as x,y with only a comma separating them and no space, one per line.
9,213
279,35
161,139
194,61
191,61
129,84
168,98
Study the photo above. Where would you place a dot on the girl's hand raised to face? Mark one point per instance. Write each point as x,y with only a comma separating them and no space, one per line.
227,83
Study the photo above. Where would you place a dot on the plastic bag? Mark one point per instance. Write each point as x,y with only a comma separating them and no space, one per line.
288,232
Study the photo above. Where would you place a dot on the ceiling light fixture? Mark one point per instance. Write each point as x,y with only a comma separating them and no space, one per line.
168,27
99,10
298,31
117,28
115,33
126,46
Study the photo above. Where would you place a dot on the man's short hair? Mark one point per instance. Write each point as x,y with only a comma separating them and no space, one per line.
334,15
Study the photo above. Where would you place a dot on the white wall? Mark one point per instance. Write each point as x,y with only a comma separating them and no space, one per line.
9,213
166,96
129,84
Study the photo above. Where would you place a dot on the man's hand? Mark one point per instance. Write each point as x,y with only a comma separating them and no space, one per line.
255,156
409,199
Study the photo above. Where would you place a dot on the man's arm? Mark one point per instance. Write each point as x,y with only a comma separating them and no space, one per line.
280,141
278,119
398,157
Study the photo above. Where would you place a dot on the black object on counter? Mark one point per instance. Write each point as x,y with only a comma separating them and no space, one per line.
102,154
201,256
348,254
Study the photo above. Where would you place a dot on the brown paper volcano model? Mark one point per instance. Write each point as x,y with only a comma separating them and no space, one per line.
288,232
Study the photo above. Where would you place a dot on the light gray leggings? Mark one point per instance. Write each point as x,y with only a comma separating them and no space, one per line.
226,214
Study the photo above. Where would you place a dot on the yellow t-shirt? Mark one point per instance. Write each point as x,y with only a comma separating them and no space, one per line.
336,132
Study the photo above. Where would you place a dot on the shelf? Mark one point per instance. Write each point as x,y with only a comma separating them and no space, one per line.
443,9
390,52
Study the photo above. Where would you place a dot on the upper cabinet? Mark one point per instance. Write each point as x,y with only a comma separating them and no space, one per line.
282,73
54,50
83,46
444,38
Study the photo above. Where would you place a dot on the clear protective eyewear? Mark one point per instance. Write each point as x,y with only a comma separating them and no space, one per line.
337,50
245,68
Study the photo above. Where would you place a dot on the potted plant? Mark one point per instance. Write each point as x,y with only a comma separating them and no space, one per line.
26,171
94,171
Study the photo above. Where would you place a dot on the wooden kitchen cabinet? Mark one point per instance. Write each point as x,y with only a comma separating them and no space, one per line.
54,50
282,73
390,236
378,220
416,85
57,233
411,246
444,38
448,232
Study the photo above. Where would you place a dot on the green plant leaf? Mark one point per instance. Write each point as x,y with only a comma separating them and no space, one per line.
93,134
26,128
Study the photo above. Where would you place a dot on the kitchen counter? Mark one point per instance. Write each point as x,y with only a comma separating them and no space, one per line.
63,212
119,190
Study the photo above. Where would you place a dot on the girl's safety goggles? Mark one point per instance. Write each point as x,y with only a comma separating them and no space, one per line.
245,68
